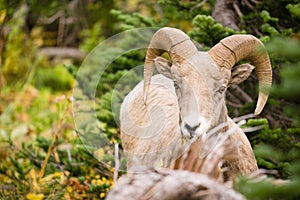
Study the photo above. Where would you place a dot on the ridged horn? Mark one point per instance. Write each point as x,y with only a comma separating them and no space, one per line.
171,40
234,48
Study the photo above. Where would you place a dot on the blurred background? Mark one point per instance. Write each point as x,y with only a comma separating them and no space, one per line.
42,45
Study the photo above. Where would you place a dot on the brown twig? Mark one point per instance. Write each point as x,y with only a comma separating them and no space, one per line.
198,5
241,94
117,162
252,129
237,9
51,149
62,52
244,117
233,104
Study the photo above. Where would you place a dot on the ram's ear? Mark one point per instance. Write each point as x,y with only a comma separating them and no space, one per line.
240,73
163,67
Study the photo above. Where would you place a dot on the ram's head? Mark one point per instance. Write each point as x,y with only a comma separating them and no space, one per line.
201,78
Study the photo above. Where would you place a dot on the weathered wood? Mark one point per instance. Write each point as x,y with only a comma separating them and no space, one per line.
170,185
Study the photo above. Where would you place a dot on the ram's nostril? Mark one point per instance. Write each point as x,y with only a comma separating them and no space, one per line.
191,128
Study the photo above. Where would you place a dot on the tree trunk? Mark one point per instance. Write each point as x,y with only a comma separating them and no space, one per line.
224,14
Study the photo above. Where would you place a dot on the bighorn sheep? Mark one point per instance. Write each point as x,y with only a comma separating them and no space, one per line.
188,99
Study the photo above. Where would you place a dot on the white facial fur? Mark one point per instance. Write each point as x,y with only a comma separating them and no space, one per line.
200,88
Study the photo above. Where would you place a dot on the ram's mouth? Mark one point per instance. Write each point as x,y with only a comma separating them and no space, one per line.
193,135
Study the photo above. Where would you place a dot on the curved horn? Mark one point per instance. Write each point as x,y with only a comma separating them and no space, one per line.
170,40
234,48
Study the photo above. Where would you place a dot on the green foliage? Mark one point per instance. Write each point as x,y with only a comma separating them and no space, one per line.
41,117
283,50
268,157
277,137
294,9
257,122
286,53
271,188
182,12
91,37
107,94
265,15
208,32
268,189
270,24
57,78
274,148
21,172
109,103
20,53
273,31
133,20
56,166
271,17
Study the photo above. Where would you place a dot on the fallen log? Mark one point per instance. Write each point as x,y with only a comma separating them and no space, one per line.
170,185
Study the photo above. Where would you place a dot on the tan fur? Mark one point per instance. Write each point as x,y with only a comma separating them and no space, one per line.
148,132
146,146
245,162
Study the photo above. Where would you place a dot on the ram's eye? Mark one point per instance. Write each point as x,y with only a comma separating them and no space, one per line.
176,84
222,89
